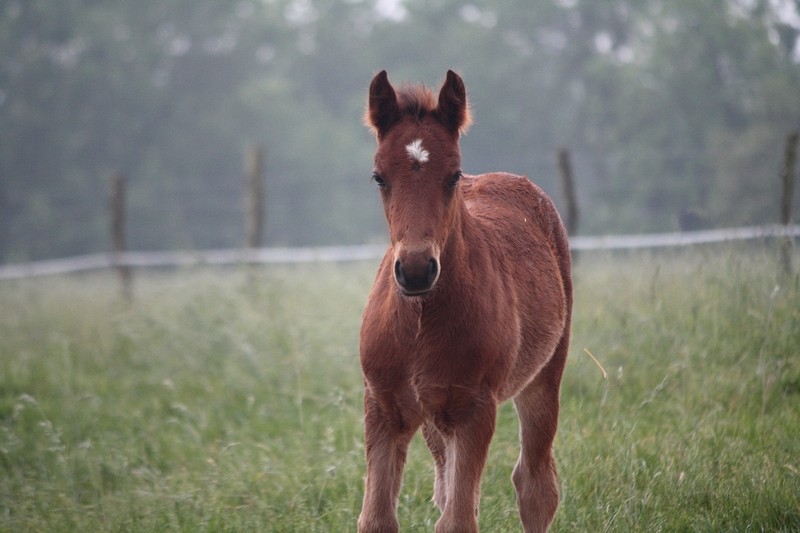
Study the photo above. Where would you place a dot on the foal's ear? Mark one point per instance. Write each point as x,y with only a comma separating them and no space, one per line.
382,109
452,108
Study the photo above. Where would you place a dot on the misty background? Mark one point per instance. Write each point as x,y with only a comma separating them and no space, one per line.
670,109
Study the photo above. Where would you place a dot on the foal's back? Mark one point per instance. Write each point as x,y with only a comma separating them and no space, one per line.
514,210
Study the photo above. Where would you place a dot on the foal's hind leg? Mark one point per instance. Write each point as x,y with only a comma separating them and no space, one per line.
435,442
535,473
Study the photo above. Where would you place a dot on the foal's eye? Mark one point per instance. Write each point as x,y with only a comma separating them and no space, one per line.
378,179
454,179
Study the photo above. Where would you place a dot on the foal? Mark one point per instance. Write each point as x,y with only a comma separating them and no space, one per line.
470,307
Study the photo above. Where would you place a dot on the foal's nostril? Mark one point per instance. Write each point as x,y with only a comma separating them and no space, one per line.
398,273
433,270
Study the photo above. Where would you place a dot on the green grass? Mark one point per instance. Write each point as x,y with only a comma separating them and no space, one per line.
210,404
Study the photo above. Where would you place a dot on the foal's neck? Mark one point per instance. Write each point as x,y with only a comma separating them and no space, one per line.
462,248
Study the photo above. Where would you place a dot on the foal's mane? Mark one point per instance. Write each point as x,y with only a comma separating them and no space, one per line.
416,100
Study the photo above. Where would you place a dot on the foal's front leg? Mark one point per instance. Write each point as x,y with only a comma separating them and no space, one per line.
466,447
386,438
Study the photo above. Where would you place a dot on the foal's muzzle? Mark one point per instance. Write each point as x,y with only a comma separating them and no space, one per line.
416,273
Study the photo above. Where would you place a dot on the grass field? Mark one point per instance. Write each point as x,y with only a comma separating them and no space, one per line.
211,404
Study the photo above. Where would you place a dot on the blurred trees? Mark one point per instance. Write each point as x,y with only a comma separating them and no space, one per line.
668,106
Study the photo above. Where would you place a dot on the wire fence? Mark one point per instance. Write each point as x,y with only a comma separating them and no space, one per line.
338,254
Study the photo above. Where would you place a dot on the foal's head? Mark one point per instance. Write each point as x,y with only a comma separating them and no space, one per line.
417,168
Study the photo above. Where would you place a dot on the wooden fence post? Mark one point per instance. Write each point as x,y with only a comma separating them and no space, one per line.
119,243
787,192
568,184
254,197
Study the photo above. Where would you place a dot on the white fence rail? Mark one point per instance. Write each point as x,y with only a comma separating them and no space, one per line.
362,252
686,238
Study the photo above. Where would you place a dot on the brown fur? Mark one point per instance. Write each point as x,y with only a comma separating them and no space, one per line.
471,306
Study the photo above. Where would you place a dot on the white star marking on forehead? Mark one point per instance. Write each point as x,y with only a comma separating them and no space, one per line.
416,152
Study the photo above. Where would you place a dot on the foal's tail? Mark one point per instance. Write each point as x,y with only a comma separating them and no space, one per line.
560,244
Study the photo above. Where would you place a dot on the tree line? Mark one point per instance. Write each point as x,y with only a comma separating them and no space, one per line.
672,110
